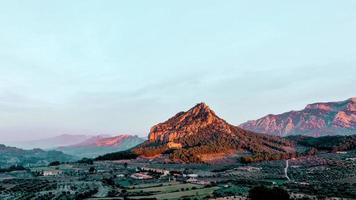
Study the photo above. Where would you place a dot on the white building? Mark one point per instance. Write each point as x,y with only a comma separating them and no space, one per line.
52,172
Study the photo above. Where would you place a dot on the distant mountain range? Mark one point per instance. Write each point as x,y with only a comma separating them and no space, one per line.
99,145
51,142
14,156
318,119
199,135
79,146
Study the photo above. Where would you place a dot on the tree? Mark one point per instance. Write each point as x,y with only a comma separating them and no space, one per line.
92,170
312,152
54,163
86,161
121,155
264,193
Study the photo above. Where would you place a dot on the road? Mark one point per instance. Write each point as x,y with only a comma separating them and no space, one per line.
286,170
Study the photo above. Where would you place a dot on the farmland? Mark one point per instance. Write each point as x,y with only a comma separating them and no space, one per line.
321,176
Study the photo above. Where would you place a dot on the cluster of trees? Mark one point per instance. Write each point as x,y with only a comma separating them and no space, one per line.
28,187
151,149
86,161
54,163
311,152
345,144
322,190
12,168
263,148
265,193
121,155
185,155
86,193
81,193
266,156
329,143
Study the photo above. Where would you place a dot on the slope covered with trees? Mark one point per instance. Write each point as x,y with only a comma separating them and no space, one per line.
329,143
14,156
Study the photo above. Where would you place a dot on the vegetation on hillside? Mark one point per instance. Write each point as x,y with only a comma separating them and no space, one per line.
329,143
12,168
16,156
122,155
265,193
262,147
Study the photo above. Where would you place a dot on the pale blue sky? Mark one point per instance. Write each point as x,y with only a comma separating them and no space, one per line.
110,67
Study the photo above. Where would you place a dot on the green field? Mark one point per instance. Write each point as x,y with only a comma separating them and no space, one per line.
149,185
166,188
197,193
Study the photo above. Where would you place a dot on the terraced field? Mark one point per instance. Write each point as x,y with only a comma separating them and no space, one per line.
174,192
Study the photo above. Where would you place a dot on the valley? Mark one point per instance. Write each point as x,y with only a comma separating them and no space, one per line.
321,176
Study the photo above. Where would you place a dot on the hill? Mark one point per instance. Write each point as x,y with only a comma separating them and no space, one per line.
199,135
14,156
318,119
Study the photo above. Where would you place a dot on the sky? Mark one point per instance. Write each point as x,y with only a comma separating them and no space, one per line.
113,67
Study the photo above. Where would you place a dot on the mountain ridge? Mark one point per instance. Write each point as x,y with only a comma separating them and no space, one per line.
98,145
50,142
316,119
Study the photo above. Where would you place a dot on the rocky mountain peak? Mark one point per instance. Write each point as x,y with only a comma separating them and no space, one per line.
201,107
199,135
187,123
200,112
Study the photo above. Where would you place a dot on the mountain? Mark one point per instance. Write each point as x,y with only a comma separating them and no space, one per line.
51,142
318,119
14,156
100,145
199,135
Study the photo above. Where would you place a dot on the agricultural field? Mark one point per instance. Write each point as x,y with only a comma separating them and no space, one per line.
170,191
321,176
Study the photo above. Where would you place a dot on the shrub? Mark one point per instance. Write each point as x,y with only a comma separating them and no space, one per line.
54,163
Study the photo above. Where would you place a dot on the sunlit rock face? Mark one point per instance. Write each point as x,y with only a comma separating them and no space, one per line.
113,140
345,120
188,123
101,141
332,118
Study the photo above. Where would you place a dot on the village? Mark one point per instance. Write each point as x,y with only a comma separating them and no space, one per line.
98,180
